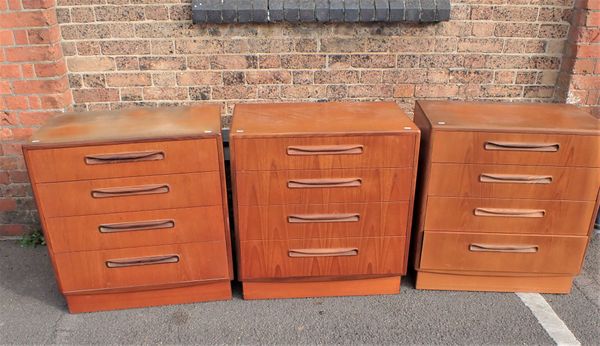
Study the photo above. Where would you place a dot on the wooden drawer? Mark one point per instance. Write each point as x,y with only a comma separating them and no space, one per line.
122,160
135,229
336,220
516,148
502,253
508,215
506,181
144,266
129,194
322,257
323,186
324,152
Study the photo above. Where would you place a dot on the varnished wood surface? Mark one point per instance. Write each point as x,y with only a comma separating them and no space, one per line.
451,251
271,187
330,288
209,291
463,180
470,147
271,259
510,117
87,271
129,125
75,198
68,164
518,216
82,233
327,118
271,222
493,283
271,153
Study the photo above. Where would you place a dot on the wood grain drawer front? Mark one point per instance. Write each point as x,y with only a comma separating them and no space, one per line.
336,220
135,229
502,253
506,181
129,194
508,215
321,257
123,160
324,152
323,186
515,148
144,266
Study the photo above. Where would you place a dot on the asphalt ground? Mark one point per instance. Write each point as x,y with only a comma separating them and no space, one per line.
32,311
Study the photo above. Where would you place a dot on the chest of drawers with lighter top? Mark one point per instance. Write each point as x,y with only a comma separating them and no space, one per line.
507,195
133,207
323,197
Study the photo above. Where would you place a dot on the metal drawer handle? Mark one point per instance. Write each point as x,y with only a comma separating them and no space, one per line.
503,248
142,261
505,212
515,178
331,252
521,146
135,226
101,159
323,218
325,149
316,183
130,190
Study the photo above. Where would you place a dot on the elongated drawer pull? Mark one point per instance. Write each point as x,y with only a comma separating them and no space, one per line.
515,178
320,183
505,212
331,252
136,226
142,261
130,190
101,159
323,218
325,149
503,248
522,146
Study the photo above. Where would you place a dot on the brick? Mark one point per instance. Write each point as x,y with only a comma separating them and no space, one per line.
38,4
404,90
165,93
302,61
128,79
6,38
303,77
162,63
234,78
239,92
44,36
54,69
28,19
7,204
303,92
125,47
89,64
95,80
40,86
336,77
95,95
156,13
82,15
268,77
436,90
201,62
32,53
16,103
516,30
10,71
200,93
375,91
12,229
118,13
236,62
198,78
373,61
483,45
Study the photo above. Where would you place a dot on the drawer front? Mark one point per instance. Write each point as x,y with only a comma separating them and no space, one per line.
508,215
123,160
324,152
144,266
321,257
135,229
505,181
502,253
323,186
515,148
129,194
336,220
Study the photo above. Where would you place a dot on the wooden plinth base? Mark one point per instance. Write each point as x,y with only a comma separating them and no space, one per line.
458,282
307,289
220,290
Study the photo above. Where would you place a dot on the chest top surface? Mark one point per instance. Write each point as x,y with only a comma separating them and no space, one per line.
509,117
289,119
129,125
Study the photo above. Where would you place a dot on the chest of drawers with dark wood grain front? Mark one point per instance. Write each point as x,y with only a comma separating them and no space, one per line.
133,208
323,197
507,195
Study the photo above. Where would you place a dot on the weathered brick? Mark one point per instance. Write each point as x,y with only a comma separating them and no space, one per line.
198,78
165,93
233,62
128,79
95,95
162,63
87,64
268,77
125,47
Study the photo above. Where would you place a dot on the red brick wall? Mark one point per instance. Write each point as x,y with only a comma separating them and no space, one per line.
33,86
124,53
579,81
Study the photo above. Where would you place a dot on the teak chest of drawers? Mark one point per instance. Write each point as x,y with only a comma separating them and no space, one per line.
508,194
133,206
323,197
